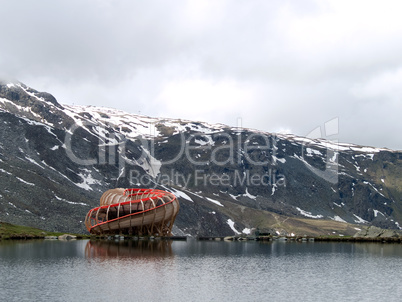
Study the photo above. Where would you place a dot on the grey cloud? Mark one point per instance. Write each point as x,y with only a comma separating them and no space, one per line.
294,75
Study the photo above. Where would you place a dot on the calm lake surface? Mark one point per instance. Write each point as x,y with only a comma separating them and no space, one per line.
199,271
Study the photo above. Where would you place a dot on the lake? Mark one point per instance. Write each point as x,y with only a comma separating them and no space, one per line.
193,270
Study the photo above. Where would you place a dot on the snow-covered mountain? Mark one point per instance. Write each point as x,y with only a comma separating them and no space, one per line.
57,160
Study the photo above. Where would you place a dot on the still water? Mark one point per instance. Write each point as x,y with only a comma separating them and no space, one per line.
199,271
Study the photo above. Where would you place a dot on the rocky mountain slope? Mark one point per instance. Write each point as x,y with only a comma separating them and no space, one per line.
57,160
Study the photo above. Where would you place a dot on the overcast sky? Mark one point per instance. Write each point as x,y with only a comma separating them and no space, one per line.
280,66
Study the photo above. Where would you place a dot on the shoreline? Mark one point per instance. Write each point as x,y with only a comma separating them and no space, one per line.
307,239
25,237
15,232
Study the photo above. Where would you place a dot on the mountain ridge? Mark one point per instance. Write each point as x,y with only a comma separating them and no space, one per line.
62,157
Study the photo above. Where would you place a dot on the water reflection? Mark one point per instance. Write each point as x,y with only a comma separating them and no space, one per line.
383,250
103,250
279,249
358,249
199,271
38,250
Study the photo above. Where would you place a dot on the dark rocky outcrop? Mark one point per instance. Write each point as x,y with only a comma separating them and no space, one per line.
376,232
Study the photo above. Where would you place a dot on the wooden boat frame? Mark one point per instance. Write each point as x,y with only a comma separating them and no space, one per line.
142,212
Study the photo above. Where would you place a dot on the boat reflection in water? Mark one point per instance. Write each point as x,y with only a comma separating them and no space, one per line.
106,249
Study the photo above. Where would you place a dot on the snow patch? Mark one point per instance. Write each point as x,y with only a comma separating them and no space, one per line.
70,202
34,162
214,201
247,194
231,223
209,141
337,218
35,96
246,231
311,152
25,182
367,183
359,219
274,186
181,194
233,196
87,181
4,171
308,214
281,160
376,212
150,164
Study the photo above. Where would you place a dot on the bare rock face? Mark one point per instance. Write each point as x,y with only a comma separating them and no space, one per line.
374,232
67,237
